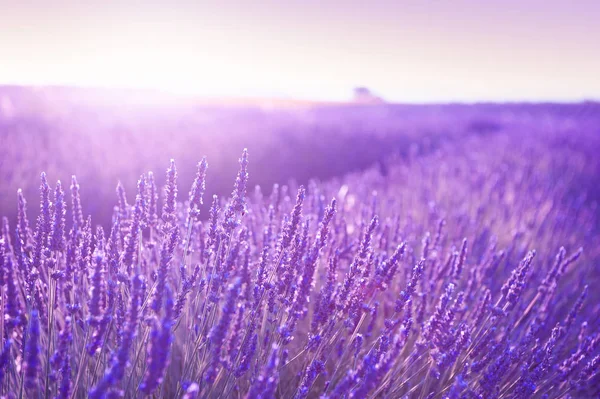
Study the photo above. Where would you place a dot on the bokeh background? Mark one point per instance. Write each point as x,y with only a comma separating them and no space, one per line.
110,90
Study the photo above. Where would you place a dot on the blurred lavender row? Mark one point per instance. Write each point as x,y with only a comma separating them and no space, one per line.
464,271
106,136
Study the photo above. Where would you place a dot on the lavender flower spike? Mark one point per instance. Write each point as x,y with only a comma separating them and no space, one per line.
45,218
515,285
290,229
116,370
169,207
57,239
152,200
407,293
97,290
160,348
32,351
76,204
4,358
166,255
22,221
265,385
219,332
196,197
237,204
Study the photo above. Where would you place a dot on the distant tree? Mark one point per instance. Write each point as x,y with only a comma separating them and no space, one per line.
364,95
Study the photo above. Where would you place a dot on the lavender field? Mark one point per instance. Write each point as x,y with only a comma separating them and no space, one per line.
316,251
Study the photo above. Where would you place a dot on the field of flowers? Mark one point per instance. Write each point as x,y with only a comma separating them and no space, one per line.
105,138
464,271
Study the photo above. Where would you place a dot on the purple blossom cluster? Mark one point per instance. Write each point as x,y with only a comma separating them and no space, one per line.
467,272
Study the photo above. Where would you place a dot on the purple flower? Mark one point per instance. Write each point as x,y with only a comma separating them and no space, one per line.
247,354
31,361
482,307
152,196
132,240
64,341
384,273
306,279
281,295
357,265
459,263
462,339
45,218
101,325
237,204
166,255
575,309
437,320
425,243
169,207
159,350
186,287
22,221
192,391
219,331
290,267
266,384
97,290
376,366
411,286
261,274
213,225
76,204
142,193
2,268
123,205
236,332
4,358
64,389
112,249
326,303
515,285
292,225
116,370
197,192
310,375
12,308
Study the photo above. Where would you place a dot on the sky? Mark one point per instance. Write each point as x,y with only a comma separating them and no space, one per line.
403,50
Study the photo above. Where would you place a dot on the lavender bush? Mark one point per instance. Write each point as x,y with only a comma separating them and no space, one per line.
468,272
104,136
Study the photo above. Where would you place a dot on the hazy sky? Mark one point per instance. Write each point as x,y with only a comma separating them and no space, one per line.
420,51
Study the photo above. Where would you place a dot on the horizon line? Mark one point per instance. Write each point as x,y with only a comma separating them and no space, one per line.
270,96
